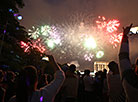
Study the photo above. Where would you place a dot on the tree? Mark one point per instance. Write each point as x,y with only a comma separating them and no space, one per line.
11,32
9,24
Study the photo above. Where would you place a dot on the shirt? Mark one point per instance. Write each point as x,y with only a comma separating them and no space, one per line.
129,78
47,93
115,88
88,83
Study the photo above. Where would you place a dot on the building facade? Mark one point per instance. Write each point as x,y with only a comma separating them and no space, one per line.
100,66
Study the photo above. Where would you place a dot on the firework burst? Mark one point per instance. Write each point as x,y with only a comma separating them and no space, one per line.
76,39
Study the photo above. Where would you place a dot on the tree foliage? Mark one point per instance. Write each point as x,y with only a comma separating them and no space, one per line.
9,23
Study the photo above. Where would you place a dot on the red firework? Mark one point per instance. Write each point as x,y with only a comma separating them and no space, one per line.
101,23
34,45
25,46
110,28
116,38
112,25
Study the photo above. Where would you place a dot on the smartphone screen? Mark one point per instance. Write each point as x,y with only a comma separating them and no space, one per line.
134,30
45,58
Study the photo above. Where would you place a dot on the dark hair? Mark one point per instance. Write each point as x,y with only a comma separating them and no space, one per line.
26,83
72,68
87,72
112,65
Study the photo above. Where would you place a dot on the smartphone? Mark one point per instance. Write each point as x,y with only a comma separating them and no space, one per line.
45,58
134,30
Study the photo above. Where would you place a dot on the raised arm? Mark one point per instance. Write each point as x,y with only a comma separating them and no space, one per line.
124,52
51,89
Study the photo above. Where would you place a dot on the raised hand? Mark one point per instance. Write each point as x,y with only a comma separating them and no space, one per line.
127,30
53,62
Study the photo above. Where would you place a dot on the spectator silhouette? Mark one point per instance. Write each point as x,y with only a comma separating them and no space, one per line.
105,86
128,75
89,87
27,85
69,89
115,88
10,91
2,90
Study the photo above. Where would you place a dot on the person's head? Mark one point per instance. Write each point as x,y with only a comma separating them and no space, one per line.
26,83
1,75
72,68
105,71
113,66
87,72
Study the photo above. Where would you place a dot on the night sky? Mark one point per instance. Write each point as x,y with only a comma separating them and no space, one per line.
39,12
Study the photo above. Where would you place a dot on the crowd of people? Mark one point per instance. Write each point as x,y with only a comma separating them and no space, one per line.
68,85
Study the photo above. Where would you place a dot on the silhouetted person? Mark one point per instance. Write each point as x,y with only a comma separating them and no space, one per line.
129,77
115,88
10,91
69,89
27,85
105,86
2,90
89,87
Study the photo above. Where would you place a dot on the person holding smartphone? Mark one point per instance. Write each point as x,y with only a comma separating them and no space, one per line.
128,75
26,90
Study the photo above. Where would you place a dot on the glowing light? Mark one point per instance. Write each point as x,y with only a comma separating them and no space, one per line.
15,14
77,38
37,44
45,30
34,45
134,30
4,31
41,99
112,26
19,17
10,10
101,23
46,33
50,44
88,57
17,28
90,43
100,54
57,41
34,32
116,38
25,46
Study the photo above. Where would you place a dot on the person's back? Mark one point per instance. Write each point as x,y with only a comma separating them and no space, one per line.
88,86
115,88
71,86
88,82
26,90
69,89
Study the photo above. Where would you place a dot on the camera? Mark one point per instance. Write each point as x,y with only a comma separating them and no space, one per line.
45,58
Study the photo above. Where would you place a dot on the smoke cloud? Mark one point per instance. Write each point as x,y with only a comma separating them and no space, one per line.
38,12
